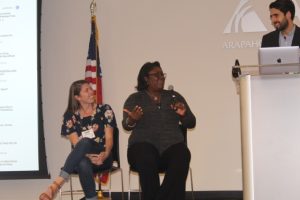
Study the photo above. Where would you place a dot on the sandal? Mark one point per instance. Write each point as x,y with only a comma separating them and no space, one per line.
44,196
54,187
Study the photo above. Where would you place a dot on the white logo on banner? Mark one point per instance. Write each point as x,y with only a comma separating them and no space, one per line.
244,19
297,9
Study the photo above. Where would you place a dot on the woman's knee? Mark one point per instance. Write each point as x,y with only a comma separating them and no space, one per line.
178,153
84,165
185,155
143,155
84,142
84,145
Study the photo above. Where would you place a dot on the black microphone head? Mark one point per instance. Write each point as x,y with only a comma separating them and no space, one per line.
171,87
173,95
237,62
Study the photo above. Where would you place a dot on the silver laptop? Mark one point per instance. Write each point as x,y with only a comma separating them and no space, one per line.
279,60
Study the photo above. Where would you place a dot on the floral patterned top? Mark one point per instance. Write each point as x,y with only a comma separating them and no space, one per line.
104,116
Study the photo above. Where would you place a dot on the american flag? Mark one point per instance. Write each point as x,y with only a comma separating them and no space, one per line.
93,73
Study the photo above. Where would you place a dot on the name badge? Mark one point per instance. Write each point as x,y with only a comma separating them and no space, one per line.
88,134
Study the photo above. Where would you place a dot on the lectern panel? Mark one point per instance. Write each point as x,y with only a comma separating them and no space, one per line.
276,137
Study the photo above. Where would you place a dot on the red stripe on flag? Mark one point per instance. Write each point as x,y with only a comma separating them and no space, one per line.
91,68
91,80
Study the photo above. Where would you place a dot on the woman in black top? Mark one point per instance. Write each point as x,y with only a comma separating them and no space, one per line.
155,116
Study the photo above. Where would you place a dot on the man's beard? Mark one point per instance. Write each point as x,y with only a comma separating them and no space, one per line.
283,25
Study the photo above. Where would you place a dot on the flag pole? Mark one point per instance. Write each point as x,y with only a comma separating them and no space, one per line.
93,7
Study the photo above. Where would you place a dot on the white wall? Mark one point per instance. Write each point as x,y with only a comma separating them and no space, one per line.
188,38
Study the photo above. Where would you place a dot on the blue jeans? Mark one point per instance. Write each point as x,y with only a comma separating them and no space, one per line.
77,162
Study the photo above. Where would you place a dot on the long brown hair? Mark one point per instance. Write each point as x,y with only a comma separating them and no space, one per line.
75,88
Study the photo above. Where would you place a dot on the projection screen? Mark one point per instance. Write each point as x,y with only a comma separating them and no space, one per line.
22,148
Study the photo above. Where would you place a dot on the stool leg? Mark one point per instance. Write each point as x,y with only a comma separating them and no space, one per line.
192,186
129,188
71,188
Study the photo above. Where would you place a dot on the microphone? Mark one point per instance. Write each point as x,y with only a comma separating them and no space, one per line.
175,103
171,89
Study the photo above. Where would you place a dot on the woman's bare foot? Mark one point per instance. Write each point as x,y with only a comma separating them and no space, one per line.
51,191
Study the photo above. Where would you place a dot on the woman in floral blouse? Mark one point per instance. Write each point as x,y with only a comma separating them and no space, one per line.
89,127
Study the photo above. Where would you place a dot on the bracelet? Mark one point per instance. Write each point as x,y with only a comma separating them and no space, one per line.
127,123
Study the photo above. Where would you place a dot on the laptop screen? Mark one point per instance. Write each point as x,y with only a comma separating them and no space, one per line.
278,60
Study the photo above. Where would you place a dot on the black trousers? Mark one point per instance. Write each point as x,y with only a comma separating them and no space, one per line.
174,162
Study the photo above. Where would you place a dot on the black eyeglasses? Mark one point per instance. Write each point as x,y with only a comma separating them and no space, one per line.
159,75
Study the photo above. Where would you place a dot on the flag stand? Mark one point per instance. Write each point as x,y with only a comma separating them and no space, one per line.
93,62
